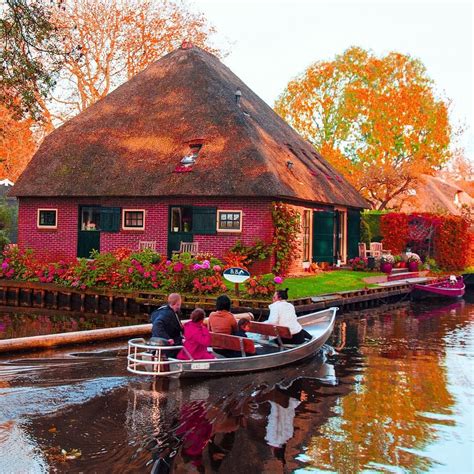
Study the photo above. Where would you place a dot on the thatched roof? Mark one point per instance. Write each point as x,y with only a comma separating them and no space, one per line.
434,194
130,142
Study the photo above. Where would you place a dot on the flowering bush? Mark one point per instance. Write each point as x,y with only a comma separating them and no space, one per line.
121,269
260,285
358,263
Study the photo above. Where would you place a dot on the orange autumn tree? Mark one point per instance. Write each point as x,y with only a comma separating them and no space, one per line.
16,144
377,120
117,39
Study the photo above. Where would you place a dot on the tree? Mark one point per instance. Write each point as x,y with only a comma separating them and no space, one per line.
117,39
376,120
16,144
29,57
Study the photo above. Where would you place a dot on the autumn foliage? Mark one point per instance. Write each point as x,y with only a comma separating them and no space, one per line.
16,144
377,120
444,237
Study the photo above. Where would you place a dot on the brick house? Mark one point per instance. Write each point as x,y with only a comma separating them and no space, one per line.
184,151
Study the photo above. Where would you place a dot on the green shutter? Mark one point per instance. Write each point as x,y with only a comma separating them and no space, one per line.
353,232
204,220
323,236
110,219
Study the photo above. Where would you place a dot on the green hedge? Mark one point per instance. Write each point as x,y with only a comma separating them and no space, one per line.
370,225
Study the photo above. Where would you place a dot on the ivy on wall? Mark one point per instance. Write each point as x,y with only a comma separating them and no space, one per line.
286,244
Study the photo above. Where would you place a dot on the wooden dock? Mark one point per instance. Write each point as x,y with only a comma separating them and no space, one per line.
129,303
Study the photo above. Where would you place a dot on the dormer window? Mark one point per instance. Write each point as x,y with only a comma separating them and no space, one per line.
187,162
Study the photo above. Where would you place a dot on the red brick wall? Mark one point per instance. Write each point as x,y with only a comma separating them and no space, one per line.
62,242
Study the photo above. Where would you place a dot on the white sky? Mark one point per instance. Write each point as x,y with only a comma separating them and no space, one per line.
271,41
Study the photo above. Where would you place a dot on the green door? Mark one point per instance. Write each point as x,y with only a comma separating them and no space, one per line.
323,236
179,227
88,237
353,233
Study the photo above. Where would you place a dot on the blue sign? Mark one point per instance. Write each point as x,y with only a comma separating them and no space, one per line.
236,275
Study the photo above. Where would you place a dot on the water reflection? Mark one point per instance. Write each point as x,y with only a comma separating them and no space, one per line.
397,396
35,322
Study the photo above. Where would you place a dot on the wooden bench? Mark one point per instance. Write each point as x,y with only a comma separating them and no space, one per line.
147,244
271,330
188,247
234,343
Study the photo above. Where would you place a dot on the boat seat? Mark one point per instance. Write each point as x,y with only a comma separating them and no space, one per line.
243,345
270,330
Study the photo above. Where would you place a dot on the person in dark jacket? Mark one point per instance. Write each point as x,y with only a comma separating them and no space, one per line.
166,323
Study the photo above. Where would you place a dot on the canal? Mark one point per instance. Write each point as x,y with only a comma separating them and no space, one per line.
396,395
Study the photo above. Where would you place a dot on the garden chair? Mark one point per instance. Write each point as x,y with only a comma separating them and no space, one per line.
377,250
363,252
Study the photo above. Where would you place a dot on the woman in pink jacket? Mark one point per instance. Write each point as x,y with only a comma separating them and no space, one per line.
196,338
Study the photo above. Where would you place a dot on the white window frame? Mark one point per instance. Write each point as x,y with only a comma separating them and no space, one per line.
124,227
225,211
42,226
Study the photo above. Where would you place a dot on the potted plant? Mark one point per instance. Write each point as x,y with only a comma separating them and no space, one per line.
386,263
413,261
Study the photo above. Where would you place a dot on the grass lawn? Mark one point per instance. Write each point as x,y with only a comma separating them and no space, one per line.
324,282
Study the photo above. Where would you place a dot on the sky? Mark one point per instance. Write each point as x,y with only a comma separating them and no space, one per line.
272,41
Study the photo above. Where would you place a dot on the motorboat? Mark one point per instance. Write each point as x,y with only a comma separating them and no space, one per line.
448,287
145,358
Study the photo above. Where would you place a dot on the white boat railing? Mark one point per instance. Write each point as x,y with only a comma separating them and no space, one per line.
151,359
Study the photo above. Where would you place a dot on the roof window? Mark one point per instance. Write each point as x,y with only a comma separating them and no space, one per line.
187,162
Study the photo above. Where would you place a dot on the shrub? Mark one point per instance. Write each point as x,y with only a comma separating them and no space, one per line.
365,233
258,250
260,285
394,229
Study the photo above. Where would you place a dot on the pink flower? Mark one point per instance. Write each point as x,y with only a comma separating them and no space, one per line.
217,268
4,265
278,280
178,267
205,265
197,266
130,270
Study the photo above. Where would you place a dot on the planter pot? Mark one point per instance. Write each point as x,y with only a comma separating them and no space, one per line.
413,266
386,267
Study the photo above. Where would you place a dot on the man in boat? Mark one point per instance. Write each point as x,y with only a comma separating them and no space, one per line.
166,323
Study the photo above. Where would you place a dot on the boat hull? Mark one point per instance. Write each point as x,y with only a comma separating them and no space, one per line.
441,289
320,325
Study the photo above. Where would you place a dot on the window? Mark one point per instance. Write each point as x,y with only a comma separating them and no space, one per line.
133,219
306,234
47,218
229,221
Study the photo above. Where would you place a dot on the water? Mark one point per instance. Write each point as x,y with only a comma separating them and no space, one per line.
397,397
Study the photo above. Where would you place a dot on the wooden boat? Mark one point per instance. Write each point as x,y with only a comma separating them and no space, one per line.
449,287
148,359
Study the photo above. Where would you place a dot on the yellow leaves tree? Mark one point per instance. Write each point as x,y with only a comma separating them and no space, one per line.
16,144
116,39
377,120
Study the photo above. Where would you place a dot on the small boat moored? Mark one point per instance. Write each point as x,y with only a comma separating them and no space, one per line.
148,359
449,287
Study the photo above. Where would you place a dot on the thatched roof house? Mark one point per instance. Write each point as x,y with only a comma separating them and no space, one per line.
187,128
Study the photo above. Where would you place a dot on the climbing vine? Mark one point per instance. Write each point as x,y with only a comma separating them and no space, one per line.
286,224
